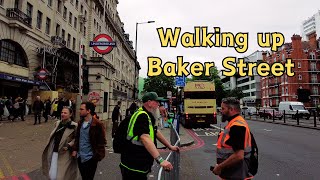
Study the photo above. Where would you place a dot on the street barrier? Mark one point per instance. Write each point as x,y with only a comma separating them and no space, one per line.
173,158
287,118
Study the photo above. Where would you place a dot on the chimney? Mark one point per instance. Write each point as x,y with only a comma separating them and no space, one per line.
313,40
296,42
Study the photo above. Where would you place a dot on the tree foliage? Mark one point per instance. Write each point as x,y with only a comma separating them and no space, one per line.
159,84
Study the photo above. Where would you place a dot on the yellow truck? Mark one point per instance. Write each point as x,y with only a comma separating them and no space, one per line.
199,104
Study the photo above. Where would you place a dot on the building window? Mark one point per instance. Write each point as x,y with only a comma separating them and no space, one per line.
73,43
84,31
287,91
17,4
299,64
59,6
39,20
48,22
85,14
312,55
63,34
49,3
81,9
300,77
64,12
81,26
12,53
105,102
70,18
29,9
315,90
283,57
57,30
68,40
75,22
1,2
77,4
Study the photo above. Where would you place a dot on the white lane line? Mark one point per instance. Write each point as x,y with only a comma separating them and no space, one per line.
216,127
268,130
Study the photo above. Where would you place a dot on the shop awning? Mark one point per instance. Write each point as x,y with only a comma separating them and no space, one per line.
19,79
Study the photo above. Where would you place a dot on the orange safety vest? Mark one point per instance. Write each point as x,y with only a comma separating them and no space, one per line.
224,151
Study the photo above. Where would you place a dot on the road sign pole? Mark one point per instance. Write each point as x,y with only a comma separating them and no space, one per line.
80,69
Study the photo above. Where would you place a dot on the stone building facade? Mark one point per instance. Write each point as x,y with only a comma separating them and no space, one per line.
38,34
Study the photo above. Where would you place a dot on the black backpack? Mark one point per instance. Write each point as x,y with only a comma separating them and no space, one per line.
253,165
120,141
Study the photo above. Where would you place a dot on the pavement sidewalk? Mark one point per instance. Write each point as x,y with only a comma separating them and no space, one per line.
22,144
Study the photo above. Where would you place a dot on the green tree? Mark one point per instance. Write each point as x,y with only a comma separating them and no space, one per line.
159,84
235,93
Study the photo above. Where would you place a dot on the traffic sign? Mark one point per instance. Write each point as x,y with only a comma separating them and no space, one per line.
42,74
180,81
102,44
169,94
94,97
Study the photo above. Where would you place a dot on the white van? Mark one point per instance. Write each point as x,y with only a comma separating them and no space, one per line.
249,111
291,107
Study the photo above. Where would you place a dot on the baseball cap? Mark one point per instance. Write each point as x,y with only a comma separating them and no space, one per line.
152,96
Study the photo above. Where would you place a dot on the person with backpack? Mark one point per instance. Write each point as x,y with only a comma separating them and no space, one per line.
234,143
140,134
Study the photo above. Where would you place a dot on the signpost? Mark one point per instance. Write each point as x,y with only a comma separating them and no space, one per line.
94,97
102,44
42,74
180,81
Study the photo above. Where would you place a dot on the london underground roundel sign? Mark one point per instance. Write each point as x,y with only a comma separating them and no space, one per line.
102,44
42,74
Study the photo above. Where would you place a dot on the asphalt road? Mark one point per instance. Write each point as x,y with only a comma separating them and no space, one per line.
285,152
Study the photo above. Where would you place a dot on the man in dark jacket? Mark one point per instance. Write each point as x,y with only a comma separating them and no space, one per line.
90,141
37,109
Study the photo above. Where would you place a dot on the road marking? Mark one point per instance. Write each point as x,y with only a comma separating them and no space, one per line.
7,165
214,144
1,174
216,127
267,130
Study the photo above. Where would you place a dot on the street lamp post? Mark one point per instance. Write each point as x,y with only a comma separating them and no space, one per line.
136,61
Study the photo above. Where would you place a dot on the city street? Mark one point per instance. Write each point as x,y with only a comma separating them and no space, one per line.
285,152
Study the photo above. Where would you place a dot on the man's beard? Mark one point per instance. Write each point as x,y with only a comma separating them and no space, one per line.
156,113
224,117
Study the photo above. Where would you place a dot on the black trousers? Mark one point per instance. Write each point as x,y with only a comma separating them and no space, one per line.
87,169
129,175
37,115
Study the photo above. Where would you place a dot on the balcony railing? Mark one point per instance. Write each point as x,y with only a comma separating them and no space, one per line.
313,70
15,13
314,80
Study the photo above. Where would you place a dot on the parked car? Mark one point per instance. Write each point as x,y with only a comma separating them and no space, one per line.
268,113
249,111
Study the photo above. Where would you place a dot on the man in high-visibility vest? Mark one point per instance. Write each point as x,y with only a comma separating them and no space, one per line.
234,143
137,159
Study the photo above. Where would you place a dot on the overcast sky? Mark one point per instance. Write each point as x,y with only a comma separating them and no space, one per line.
234,16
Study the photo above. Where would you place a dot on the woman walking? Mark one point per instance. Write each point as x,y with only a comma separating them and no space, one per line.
57,163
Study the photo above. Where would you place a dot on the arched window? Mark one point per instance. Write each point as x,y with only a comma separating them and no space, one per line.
12,53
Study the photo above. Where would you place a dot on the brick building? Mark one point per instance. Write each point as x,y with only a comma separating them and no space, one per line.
306,57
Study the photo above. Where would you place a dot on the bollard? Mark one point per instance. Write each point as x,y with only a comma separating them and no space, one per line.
284,116
264,115
314,118
273,115
297,116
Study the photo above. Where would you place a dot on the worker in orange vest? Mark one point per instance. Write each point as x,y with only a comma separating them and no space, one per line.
234,143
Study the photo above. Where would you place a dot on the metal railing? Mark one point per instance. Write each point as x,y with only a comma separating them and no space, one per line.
15,13
173,158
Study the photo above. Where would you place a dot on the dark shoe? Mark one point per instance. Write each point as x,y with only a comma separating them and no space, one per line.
34,123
